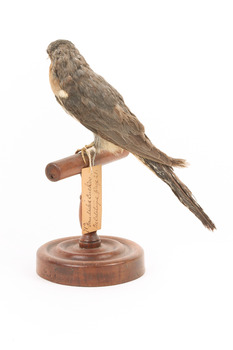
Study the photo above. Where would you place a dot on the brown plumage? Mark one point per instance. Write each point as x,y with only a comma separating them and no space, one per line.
100,108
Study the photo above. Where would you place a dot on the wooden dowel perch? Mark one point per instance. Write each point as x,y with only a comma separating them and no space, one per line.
73,165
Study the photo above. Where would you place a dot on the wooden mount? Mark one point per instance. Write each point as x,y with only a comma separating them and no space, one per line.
73,165
116,260
90,240
88,260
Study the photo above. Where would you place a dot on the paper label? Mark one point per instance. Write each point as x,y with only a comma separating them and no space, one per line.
91,198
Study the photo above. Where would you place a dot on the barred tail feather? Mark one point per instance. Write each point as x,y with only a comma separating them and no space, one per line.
181,191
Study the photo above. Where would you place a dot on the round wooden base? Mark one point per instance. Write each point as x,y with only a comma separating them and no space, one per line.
116,260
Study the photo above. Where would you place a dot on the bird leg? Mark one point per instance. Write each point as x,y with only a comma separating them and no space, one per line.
90,151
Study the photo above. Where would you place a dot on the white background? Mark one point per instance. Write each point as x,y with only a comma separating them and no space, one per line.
172,62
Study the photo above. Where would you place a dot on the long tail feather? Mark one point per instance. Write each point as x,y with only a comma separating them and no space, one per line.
181,191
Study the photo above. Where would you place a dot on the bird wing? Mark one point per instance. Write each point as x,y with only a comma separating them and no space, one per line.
101,109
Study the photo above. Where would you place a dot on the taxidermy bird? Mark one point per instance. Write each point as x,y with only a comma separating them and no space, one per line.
87,97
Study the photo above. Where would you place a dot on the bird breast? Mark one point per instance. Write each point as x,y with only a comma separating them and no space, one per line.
54,82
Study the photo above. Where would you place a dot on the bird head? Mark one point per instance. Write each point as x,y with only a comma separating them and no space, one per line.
58,47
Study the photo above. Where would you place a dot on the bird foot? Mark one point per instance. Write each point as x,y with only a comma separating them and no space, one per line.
90,151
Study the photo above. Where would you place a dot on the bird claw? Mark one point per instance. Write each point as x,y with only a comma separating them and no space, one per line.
90,151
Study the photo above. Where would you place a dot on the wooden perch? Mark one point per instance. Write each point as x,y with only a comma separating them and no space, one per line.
69,166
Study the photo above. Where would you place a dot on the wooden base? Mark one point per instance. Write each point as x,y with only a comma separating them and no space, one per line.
68,261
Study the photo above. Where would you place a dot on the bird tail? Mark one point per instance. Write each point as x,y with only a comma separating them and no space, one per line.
181,191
